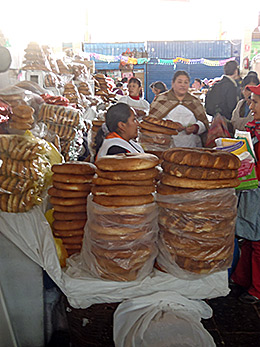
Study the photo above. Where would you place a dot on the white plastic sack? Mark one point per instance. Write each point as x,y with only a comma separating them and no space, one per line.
164,319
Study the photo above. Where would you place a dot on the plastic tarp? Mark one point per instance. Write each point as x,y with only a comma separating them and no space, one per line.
31,233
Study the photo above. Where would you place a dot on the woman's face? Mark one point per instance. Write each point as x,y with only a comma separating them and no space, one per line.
247,92
181,85
131,129
255,106
134,89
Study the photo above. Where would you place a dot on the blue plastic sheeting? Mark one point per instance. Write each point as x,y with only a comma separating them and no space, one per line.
165,73
191,49
115,48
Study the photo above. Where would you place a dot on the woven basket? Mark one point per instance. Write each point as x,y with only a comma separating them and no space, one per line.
92,326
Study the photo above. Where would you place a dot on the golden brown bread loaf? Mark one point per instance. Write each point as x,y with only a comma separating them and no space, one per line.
194,172
100,181
166,123
203,157
78,187
127,162
157,129
117,201
138,175
71,208
72,178
122,190
52,191
199,184
164,189
69,224
67,201
75,168
62,216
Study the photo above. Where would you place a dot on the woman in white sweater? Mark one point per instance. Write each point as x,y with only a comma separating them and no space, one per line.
135,99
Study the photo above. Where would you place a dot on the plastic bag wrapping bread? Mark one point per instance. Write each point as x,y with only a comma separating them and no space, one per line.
119,243
67,123
196,235
25,171
15,96
162,319
155,143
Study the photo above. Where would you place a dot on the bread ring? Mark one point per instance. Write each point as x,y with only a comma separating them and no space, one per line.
118,190
16,119
67,201
62,216
99,181
75,168
197,172
19,126
69,224
127,162
140,175
119,201
69,246
204,157
70,178
67,193
78,187
166,123
199,184
68,233
157,129
72,240
70,209
23,111
164,189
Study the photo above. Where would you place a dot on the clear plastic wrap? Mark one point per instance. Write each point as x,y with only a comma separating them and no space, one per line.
197,231
120,243
67,123
25,171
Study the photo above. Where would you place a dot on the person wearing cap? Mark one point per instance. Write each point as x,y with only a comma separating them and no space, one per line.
242,114
158,87
247,271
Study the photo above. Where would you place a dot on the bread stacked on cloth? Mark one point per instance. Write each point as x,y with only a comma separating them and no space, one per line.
68,195
156,134
22,118
197,211
25,172
67,123
119,242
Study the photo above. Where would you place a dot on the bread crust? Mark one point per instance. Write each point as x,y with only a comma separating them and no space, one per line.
127,162
119,201
75,168
203,157
199,184
70,178
166,123
198,172
157,129
122,190
139,175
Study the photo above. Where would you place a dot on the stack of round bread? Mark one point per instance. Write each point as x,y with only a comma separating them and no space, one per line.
156,134
66,122
71,93
68,195
35,58
24,172
22,118
62,66
84,88
197,214
102,88
122,229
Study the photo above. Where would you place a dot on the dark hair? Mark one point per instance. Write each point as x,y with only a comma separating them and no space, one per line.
180,73
159,85
119,112
119,84
230,67
250,78
124,80
138,81
198,80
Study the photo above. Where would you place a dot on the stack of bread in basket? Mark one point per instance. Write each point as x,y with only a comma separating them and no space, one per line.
68,195
156,134
121,231
197,211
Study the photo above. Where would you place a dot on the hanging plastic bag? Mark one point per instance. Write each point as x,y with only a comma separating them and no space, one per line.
218,128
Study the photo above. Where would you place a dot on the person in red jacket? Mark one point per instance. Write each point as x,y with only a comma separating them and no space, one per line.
247,272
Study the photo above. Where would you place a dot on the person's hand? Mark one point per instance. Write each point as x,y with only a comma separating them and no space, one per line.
192,129
179,126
